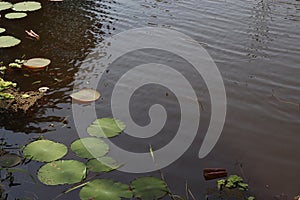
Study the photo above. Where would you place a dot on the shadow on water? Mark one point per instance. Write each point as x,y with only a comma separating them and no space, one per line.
67,33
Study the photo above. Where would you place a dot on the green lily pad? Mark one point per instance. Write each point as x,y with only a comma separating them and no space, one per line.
16,15
8,41
103,164
9,160
89,147
104,189
27,6
2,30
106,127
62,172
5,5
45,150
149,188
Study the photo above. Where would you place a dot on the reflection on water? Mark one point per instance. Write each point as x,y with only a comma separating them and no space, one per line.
259,30
254,44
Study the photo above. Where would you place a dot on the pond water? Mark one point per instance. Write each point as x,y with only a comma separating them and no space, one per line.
255,45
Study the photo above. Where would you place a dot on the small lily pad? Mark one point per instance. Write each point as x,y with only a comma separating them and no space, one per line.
45,150
149,188
104,189
62,172
9,160
8,41
106,127
27,6
2,30
103,164
5,5
37,63
89,147
16,15
86,95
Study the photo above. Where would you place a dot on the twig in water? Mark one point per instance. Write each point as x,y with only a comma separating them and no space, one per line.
284,100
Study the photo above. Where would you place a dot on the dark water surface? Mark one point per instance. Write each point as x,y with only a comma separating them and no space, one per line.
255,45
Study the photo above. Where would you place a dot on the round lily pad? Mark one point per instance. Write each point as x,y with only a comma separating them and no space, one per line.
62,172
27,6
89,147
5,5
37,63
104,189
86,95
149,188
45,150
2,30
9,160
106,127
8,41
103,164
16,15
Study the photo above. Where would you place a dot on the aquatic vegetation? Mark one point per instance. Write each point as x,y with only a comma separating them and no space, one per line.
62,172
101,189
232,181
45,150
27,6
37,63
2,30
6,84
18,63
5,5
149,188
89,147
8,41
102,164
25,96
86,95
5,95
106,127
15,15
9,160
21,7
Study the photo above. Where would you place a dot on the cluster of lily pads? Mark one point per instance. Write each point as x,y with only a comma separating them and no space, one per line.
233,182
20,10
58,171
5,85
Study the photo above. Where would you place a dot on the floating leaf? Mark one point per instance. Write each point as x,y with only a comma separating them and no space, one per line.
149,188
36,82
16,15
62,172
27,6
5,5
2,30
6,84
8,41
104,189
9,160
89,147
37,63
25,96
15,65
106,127
103,164
45,150
86,95
4,95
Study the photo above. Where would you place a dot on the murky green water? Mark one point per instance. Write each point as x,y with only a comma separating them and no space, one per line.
255,45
